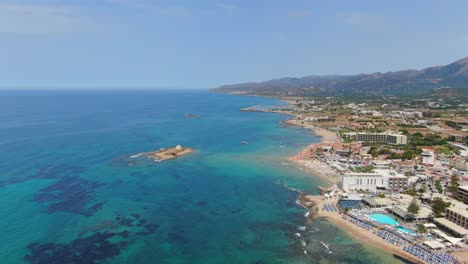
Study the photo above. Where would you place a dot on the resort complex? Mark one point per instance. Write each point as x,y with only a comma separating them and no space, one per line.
399,176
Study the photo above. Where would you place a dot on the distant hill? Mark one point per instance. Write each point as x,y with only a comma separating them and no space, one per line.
454,75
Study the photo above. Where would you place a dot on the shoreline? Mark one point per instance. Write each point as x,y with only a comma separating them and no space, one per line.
314,205
363,236
322,170
315,167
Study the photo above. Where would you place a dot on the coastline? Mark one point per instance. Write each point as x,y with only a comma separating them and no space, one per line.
315,167
365,237
315,203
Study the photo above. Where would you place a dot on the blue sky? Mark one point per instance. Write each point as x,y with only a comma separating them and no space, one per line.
204,43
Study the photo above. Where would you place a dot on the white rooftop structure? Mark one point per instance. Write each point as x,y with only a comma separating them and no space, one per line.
452,240
434,244
373,181
463,232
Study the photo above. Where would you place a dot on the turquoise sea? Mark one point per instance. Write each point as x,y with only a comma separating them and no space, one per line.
71,193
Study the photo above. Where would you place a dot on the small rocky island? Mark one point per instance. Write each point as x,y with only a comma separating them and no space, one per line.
169,153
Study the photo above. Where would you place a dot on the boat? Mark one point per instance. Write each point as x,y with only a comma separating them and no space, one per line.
326,247
245,142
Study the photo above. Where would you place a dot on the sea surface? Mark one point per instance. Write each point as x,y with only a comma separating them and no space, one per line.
72,193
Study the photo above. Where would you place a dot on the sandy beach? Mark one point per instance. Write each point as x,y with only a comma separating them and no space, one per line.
321,169
362,235
318,168
314,166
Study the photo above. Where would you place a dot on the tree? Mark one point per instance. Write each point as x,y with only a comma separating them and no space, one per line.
413,207
438,186
411,192
421,229
454,186
439,206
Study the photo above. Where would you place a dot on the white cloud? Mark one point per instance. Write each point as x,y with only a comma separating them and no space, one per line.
42,19
365,20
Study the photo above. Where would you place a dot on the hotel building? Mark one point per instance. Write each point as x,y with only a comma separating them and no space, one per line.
456,219
377,180
386,137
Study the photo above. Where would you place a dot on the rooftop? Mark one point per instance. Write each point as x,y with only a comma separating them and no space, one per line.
459,208
376,173
402,210
374,201
452,226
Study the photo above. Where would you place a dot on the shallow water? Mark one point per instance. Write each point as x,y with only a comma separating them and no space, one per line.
73,194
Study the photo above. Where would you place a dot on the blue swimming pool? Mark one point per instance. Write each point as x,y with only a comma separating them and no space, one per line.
404,229
384,219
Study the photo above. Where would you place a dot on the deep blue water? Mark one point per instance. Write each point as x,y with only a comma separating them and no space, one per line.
72,194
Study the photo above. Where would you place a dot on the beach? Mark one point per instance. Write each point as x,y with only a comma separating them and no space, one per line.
356,232
314,166
367,235
321,169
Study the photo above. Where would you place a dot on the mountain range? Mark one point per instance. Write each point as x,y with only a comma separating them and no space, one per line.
453,75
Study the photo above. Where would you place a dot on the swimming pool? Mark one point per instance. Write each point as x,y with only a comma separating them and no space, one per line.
384,219
404,229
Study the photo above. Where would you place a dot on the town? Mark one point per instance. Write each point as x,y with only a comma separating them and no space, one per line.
398,169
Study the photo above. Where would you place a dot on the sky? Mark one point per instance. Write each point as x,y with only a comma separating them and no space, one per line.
151,44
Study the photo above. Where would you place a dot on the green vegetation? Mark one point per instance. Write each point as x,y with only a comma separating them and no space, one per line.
421,229
382,195
453,188
410,125
439,206
417,139
413,208
453,125
438,186
447,150
368,168
465,201
411,192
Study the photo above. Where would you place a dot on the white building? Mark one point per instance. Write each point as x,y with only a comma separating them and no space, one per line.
377,180
381,164
428,155
387,137
456,219
463,192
